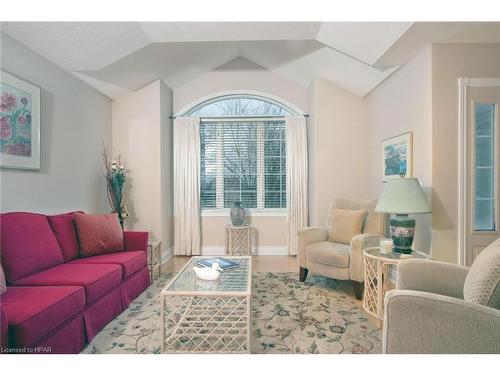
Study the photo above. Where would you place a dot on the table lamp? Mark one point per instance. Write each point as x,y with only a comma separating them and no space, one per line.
401,197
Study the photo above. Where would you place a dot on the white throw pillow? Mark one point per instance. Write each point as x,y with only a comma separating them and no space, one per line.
345,224
482,284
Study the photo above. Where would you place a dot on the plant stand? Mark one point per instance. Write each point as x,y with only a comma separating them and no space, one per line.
239,240
154,258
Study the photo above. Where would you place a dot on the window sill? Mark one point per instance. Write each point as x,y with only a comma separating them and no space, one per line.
251,212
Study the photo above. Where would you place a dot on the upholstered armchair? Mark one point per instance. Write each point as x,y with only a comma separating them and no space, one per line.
318,253
444,308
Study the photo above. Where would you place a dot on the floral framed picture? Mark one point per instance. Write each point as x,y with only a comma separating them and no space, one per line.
19,123
397,156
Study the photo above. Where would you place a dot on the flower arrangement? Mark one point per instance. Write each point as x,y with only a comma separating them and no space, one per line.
115,176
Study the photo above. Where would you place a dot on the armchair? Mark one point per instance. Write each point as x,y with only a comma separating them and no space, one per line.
445,308
316,253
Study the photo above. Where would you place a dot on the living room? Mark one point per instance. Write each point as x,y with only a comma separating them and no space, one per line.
283,187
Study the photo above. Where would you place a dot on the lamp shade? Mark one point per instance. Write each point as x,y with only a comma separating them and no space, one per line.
403,196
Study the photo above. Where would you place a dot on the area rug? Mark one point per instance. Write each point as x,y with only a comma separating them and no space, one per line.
288,317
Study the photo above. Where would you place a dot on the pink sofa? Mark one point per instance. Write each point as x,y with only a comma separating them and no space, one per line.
56,301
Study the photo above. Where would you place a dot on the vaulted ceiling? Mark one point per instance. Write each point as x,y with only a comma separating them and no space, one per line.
119,57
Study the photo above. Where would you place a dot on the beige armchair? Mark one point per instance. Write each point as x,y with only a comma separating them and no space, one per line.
444,308
316,253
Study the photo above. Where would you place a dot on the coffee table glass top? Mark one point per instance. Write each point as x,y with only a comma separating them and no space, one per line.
375,251
232,280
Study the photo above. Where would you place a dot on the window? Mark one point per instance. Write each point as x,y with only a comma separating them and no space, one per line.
484,167
243,153
239,106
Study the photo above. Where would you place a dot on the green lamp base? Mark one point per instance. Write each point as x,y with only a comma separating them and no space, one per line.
402,231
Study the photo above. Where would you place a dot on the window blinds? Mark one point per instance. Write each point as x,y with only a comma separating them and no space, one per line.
243,161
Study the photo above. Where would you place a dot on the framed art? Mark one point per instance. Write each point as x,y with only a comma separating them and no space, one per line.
397,156
19,123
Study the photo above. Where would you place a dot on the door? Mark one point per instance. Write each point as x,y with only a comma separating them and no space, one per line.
483,173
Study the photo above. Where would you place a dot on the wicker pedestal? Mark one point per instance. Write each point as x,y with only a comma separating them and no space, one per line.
154,258
239,240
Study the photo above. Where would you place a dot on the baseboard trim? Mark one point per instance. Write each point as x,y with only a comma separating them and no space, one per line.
259,250
166,255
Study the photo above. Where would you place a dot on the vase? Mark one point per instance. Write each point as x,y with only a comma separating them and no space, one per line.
237,214
402,231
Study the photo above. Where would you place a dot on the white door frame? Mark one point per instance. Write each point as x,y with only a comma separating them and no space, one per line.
463,85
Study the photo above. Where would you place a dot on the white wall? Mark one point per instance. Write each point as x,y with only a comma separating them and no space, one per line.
404,103
338,148
142,135
240,76
449,62
167,164
75,121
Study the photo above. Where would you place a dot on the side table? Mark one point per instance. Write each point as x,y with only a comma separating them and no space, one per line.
239,240
376,266
154,258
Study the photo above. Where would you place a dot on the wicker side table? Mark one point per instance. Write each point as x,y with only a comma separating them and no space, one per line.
154,258
376,268
239,240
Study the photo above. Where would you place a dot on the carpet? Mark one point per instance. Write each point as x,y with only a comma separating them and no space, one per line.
288,317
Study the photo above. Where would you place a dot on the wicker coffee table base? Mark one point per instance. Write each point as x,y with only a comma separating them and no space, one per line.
206,324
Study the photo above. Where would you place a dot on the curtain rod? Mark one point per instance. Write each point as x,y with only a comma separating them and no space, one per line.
239,118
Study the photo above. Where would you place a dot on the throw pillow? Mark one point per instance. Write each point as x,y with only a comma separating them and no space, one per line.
482,284
64,229
98,234
3,283
345,224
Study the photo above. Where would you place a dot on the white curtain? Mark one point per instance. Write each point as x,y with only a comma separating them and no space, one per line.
187,186
296,178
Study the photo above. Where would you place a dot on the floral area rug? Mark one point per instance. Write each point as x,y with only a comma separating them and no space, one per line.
288,317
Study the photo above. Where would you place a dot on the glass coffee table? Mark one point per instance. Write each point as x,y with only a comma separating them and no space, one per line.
208,316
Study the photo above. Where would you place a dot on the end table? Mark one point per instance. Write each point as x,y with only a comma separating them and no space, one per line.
239,240
154,258
376,267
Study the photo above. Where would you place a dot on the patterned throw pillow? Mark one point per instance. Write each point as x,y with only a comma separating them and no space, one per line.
98,234
3,283
482,284
345,224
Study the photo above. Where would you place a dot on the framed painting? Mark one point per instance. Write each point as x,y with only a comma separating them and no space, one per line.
397,156
19,123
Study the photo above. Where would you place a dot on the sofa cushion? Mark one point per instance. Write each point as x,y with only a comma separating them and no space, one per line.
96,279
482,284
99,234
64,229
130,261
28,244
33,312
329,253
345,224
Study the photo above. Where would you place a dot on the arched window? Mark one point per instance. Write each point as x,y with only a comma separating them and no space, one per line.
239,106
243,152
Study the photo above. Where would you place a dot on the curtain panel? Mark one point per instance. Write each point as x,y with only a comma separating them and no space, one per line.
187,186
296,178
